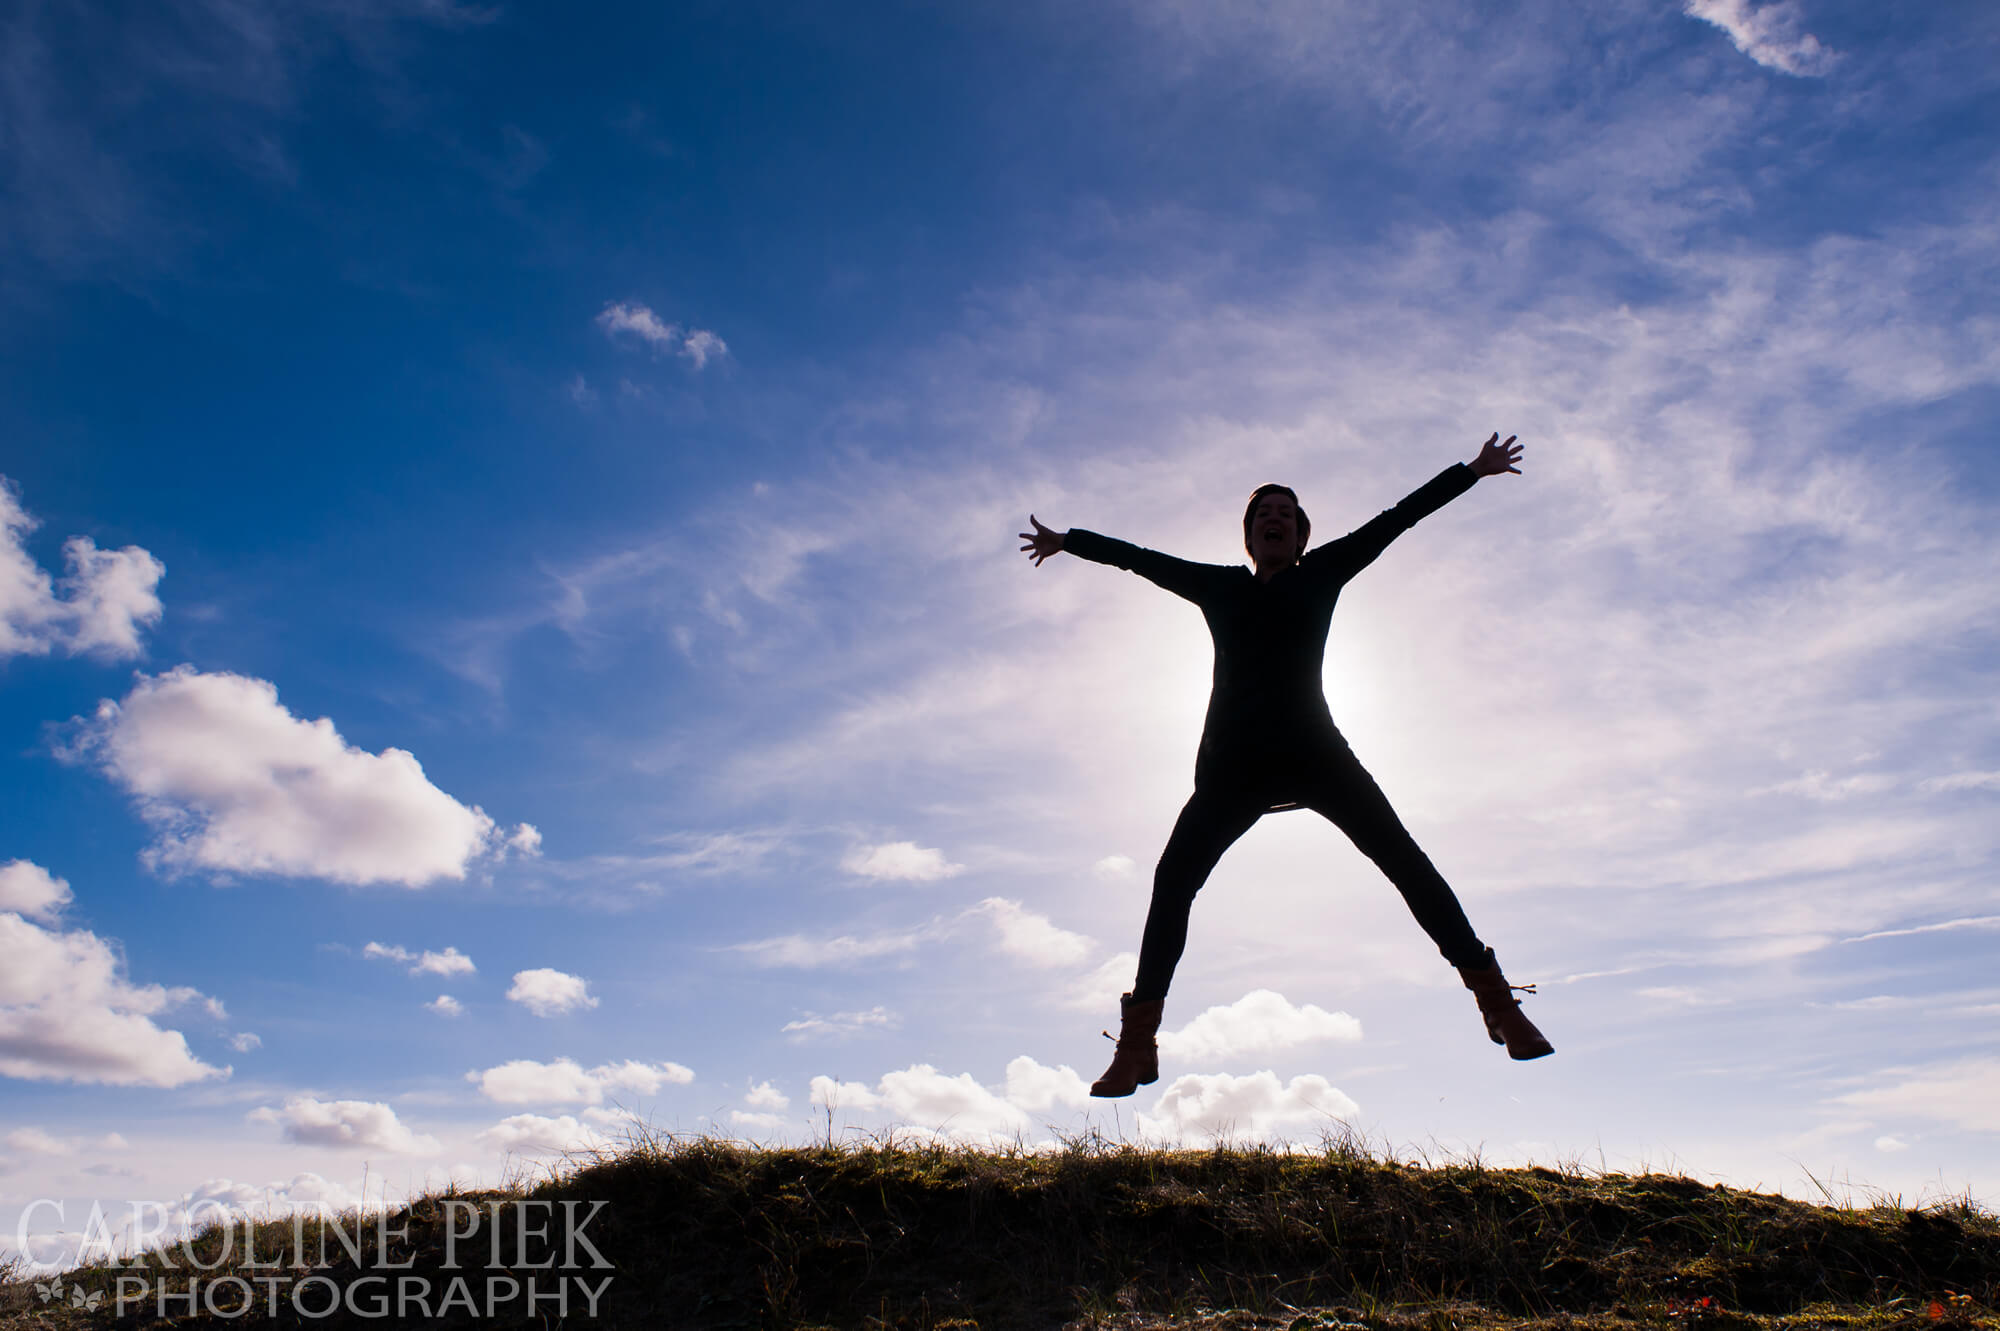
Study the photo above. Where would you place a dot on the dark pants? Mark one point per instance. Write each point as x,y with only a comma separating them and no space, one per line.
1340,790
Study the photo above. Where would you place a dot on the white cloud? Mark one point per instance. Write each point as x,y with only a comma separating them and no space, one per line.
550,993
1771,34
527,840
99,608
35,1141
904,861
233,782
1965,1093
533,1134
619,318
831,1093
1038,1089
1115,867
839,1024
1942,926
245,1041
766,1096
67,1010
702,345
353,1124
1891,1144
756,1121
1962,781
1031,937
524,1081
845,950
28,889
696,344
447,963
957,1107
1099,990
1221,1107
445,1006
1258,1023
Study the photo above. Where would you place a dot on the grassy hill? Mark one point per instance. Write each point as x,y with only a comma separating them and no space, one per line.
703,1233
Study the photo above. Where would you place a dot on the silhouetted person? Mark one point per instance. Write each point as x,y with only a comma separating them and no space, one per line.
1269,741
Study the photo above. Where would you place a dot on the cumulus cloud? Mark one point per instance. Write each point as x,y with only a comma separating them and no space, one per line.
29,889
524,1081
445,1006
1258,1023
353,1124
927,1100
766,1096
1030,937
98,608
1038,1089
245,1041
231,781
839,1024
550,993
67,1010
1115,867
756,1121
1220,1107
447,963
1773,35
695,344
903,861
533,1134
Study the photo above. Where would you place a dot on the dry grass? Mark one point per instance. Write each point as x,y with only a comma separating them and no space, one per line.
705,1233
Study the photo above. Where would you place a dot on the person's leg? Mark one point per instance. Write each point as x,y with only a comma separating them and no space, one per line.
1347,796
1209,824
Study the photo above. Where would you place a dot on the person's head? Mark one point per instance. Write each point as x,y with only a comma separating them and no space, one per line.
1275,528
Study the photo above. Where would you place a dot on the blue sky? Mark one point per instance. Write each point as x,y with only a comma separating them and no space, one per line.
517,507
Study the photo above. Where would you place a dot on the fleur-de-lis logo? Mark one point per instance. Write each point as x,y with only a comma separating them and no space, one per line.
51,1291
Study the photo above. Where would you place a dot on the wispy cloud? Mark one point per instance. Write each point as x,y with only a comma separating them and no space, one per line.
837,1025
1772,34
698,345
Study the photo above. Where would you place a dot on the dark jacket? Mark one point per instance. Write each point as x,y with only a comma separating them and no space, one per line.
1268,727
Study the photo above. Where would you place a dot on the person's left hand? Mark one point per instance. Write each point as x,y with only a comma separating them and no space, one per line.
1496,457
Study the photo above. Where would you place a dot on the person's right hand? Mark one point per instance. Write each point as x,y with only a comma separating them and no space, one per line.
1041,542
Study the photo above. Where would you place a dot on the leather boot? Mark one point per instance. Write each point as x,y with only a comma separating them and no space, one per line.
1505,1022
1137,1062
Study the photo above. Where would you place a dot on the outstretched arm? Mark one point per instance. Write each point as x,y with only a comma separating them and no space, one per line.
1353,552
1041,542
1179,576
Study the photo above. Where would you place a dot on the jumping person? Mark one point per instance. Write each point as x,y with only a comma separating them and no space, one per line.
1269,741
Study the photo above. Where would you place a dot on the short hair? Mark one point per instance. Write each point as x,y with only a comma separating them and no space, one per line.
1250,511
